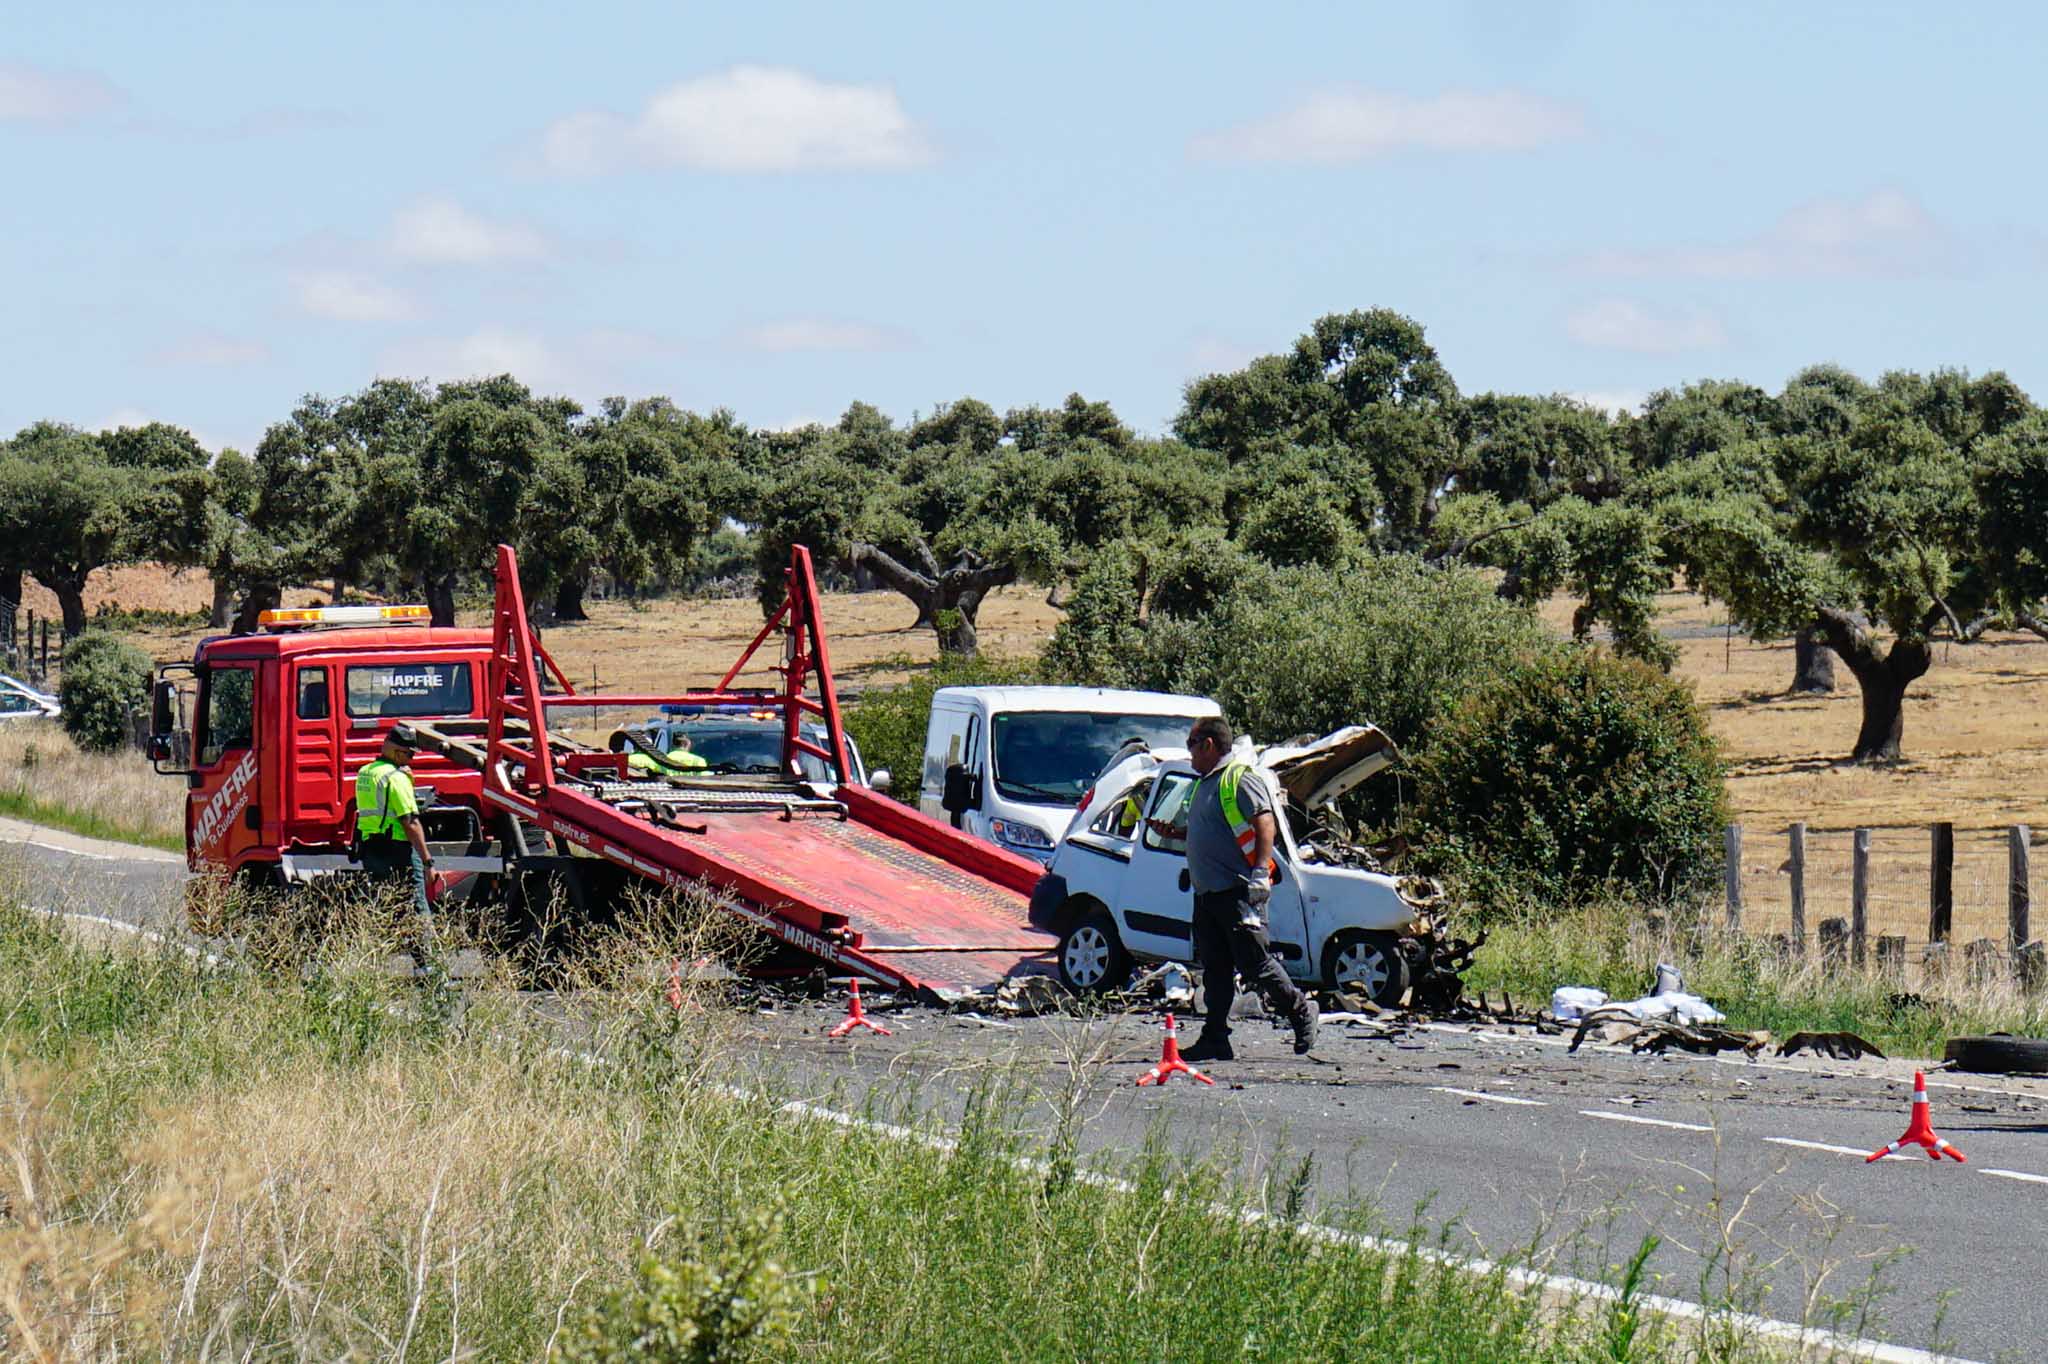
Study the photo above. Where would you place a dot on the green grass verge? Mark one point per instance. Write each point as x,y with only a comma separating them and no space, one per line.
1611,947
305,1163
16,805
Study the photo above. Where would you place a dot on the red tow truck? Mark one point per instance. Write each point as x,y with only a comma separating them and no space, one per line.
281,721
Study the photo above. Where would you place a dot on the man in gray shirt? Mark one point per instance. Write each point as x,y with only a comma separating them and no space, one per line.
1230,866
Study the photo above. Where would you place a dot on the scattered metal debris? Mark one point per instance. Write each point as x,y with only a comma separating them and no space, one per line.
1839,1046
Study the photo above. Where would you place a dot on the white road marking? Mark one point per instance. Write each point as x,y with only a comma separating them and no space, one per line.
2014,1174
1646,1122
1824,1146
1482,1094
1791,1067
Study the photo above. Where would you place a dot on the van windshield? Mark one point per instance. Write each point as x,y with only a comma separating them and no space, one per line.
1049,757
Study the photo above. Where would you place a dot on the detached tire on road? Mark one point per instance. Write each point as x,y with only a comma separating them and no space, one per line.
1373,961
1092,956
1999,1054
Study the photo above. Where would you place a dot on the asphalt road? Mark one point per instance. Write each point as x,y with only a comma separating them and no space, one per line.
1509,1140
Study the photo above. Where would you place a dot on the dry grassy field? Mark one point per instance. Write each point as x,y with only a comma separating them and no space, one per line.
1976,734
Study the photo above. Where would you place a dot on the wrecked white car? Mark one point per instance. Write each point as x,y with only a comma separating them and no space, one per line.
1116,889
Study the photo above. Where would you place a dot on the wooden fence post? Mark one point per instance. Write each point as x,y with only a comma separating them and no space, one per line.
1732,839
2020,893
1941,883
1859,895
1797,866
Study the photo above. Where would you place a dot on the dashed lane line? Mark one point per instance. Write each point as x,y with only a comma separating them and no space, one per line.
1493,1098
1646,1122
1826,1146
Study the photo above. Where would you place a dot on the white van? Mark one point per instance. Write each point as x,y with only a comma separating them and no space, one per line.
1011,764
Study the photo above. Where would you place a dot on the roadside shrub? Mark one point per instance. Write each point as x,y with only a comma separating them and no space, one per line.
1286,652
889,723
1574,773
1299,523
104,676
1097,642
701,1308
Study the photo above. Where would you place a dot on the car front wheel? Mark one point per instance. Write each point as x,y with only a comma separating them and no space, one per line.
1371,962
1092,957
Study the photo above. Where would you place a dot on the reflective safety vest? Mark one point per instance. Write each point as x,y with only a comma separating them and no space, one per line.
681,757
384,797
1226,792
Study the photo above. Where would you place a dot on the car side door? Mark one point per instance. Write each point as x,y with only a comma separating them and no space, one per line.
1156,910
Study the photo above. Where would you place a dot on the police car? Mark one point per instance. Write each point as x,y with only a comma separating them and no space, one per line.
742,740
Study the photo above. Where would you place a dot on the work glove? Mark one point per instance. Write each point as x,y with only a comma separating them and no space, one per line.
1256,894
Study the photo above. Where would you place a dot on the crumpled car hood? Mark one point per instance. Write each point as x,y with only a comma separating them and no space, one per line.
1317,773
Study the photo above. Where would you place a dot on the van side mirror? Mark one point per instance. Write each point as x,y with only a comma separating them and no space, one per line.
963,791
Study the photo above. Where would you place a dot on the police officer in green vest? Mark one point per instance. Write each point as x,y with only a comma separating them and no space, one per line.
390,843
1231,828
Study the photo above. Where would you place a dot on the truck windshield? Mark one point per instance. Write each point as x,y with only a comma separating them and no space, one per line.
1049,757
410,689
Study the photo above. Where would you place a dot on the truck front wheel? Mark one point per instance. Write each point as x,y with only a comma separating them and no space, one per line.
1092,956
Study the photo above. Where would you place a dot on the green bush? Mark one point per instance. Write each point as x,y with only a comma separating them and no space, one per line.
1097,641
700,1309
1287,652
889,723
104,676
1576,773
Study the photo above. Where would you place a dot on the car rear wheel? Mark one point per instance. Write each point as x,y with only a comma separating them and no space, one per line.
1371,962
1092,956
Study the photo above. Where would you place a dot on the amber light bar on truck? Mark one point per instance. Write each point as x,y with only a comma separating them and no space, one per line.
341,615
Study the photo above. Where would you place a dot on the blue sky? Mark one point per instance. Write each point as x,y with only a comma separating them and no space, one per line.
210,210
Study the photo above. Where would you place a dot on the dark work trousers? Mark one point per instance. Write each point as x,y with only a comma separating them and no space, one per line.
392,861
1225,948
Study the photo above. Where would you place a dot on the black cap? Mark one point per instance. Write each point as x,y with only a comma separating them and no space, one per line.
405,736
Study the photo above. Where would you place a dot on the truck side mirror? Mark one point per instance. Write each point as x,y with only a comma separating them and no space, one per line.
163,708
962,791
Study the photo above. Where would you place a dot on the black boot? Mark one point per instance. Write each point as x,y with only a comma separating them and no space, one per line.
1210,1046
1305,1020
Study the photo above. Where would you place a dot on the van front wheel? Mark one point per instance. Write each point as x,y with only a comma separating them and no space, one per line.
1092,956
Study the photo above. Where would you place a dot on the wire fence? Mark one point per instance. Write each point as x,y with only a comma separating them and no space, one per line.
1902,886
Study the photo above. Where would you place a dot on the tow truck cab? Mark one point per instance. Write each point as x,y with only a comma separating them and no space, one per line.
269,730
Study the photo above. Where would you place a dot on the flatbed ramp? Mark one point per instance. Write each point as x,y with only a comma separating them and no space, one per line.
946,928
844,874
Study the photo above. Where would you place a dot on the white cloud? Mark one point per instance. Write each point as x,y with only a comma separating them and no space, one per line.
131,417
1885,234
484,352
439,231
210,350
347,296
819,333
1352,124
1629,400
1621,324
1210,354
746,118
30,94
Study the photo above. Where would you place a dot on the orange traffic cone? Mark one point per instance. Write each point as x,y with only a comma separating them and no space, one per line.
856,1017
1920,1130
1170,1062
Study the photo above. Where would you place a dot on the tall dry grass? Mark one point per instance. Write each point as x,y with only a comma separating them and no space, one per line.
262,1160
46,778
